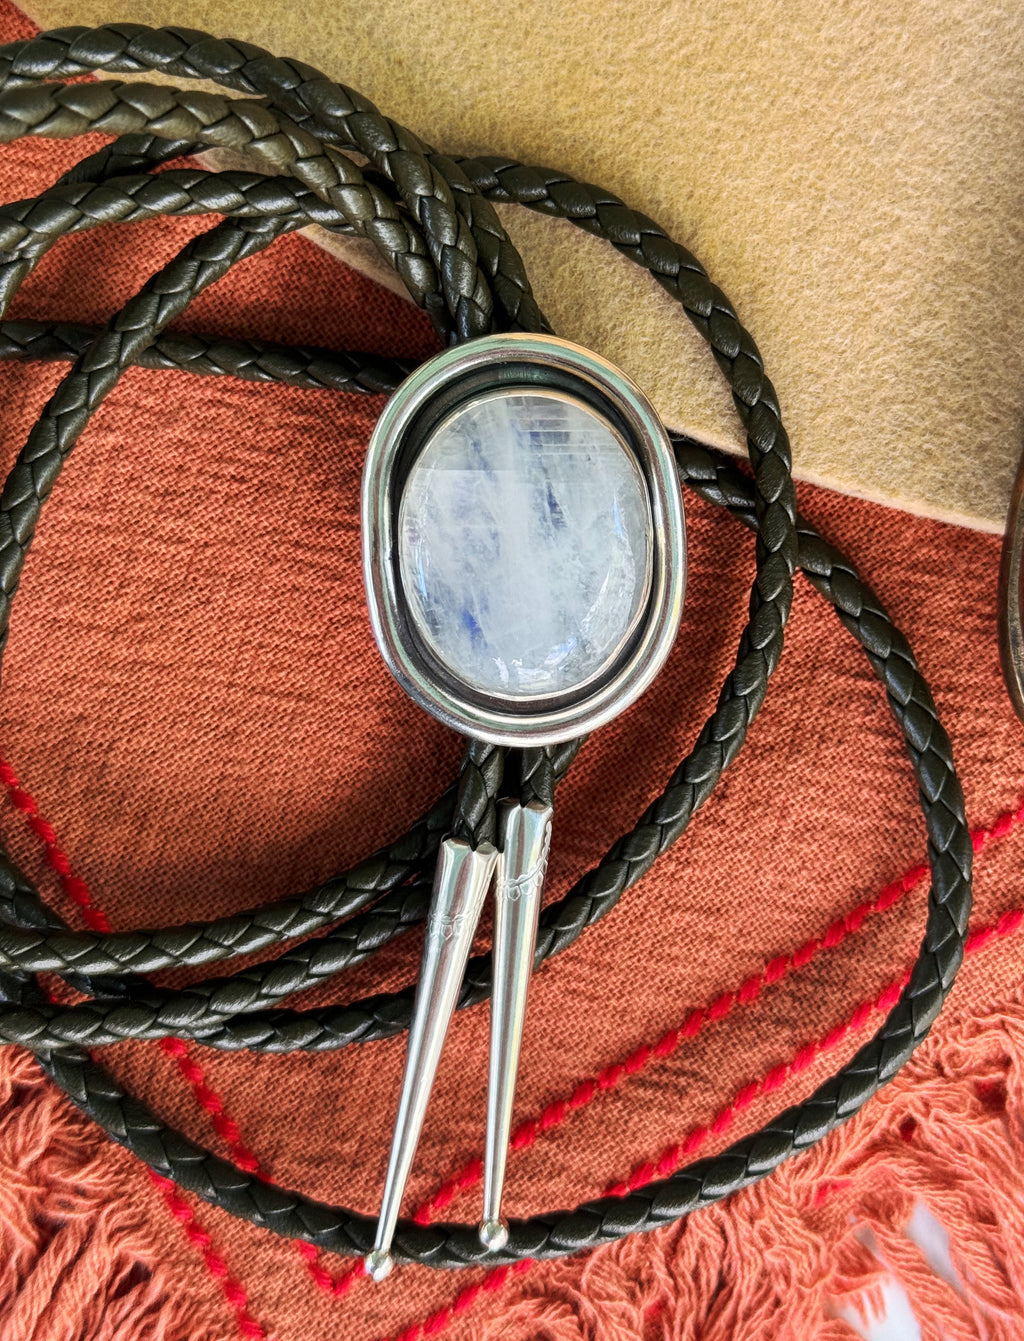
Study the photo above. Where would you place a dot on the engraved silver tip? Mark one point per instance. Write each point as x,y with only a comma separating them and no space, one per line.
461,882
379,1264
494,1235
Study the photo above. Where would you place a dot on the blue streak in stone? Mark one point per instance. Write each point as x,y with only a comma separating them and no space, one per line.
475,631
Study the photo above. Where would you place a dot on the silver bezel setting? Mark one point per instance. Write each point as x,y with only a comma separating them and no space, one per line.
546,357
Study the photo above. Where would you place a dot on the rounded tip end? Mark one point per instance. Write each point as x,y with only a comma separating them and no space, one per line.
378,1264
494,1235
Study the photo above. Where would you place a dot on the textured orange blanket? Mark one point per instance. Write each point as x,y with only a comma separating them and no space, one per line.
194,719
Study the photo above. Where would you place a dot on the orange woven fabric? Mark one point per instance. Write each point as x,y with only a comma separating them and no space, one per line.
194,719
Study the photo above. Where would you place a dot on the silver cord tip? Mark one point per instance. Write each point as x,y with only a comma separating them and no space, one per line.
494,1235
378,1264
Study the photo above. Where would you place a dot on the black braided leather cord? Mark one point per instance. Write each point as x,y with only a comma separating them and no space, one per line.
300,365
432,218
747,1160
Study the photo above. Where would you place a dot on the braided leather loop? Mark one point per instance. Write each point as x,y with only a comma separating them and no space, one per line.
432,188
301,365
480,778
747,1160
432,218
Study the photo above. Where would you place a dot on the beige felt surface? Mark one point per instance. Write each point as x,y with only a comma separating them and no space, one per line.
850,174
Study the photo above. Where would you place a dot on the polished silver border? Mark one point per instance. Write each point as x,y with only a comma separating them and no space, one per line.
647,437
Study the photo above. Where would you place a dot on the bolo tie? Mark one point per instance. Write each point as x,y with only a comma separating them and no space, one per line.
524,560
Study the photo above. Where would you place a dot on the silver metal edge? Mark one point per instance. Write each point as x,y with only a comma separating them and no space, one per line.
669,577
524,842
1011,596
461,881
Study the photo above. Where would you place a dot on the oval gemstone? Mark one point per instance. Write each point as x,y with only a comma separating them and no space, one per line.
525,548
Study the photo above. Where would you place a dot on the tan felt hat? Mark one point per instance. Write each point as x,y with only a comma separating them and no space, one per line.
850,175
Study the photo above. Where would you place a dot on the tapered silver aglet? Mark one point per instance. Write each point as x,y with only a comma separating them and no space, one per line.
494,1235
461,881
525,837
379,1264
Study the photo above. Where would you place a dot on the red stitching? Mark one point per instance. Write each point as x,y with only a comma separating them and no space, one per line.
828,1189
669,1159
208,1099
672,1155
78,891
588,1089
199,1237
205,1095
526,1133
75,888
225,1126
491,1283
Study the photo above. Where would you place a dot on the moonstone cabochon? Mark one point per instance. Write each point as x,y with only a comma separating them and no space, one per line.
525,544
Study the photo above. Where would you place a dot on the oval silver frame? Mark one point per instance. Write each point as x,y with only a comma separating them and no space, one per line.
391,629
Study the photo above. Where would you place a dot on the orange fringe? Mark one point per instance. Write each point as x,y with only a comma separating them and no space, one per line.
82,1257
792,1259
805,1255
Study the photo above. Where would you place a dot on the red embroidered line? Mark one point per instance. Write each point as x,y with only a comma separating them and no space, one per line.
207,1098
78,891
232,1290
339,1285
588,1089
491,1283
555,1113
74,887
205,1095
227,1128
699,1018
672,1156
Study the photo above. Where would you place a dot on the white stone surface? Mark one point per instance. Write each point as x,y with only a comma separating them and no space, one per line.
524,542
